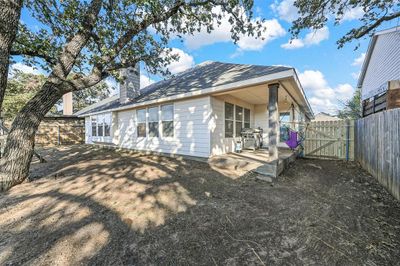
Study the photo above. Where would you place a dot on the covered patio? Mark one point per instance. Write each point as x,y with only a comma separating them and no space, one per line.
275,107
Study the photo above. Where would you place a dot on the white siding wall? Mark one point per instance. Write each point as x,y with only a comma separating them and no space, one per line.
220,144
88,130
384,64
261,120
191,130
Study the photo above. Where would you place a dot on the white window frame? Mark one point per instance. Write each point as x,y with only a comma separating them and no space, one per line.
161,125
101,120
234,118
145,123
158,121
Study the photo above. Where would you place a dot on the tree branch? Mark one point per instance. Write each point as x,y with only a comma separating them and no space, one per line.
33,53
72,49
376,24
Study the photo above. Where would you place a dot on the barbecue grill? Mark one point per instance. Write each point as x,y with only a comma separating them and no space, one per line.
251,138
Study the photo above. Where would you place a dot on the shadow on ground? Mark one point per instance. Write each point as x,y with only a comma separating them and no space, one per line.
104,207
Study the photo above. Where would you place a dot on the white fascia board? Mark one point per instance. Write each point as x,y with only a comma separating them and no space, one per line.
390,30
221,88
367,58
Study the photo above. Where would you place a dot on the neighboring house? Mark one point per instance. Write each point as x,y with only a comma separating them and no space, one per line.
325,117
199,112
380,73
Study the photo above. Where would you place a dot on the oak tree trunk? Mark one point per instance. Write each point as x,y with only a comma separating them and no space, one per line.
10,11
14,165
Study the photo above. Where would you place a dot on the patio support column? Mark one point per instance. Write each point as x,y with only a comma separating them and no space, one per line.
273,121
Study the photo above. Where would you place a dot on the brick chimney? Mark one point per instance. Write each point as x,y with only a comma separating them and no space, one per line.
130,86
67,104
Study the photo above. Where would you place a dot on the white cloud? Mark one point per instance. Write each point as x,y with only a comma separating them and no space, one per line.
314,37
285,10
353,13
184,62
317,36
359,60
356,75
273,30
145,81
344,91
221,33
293,44
324,98
24,68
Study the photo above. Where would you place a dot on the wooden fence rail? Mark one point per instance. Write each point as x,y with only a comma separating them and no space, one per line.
377,148
330,140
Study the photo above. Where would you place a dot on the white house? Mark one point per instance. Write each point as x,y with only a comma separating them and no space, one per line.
325,117
199,112
380,72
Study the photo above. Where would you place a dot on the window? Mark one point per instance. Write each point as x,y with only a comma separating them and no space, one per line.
284,118
167,117
236,118
100,123
94,126
141,122
107,125
153,121
246,118
228,120
239,120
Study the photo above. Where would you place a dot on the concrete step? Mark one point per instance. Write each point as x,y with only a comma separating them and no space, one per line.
275,168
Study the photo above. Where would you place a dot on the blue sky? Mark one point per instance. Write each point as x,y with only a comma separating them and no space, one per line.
329,75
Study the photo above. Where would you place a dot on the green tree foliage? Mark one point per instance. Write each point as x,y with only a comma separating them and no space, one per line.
124,32
89,96
316,13
81,43
352,108
22,87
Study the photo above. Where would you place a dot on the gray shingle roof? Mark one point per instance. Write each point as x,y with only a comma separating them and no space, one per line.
203,76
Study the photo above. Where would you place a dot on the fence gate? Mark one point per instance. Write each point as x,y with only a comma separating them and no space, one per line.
330,140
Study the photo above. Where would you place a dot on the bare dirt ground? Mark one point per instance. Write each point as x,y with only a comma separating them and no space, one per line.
97,207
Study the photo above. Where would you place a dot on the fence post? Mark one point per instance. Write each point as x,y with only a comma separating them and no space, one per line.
347,139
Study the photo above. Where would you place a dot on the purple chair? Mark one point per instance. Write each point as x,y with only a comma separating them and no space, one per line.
292,142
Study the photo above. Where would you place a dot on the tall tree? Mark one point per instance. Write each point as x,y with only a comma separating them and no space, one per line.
10,12
316,13
352,108
83,42
21,87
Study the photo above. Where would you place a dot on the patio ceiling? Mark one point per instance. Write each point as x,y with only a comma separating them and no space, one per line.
258,94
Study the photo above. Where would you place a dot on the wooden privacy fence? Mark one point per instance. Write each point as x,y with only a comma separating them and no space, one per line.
330,140
378,148
60,132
